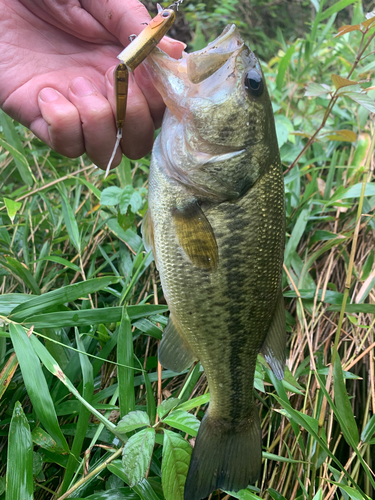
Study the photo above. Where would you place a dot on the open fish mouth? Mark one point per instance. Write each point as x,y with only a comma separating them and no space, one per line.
205,62
186,77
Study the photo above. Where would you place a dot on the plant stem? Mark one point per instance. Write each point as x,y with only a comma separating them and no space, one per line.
91,474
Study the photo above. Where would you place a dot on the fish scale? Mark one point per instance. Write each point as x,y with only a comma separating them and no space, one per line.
216,227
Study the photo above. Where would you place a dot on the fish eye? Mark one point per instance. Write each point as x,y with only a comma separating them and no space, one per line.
254,83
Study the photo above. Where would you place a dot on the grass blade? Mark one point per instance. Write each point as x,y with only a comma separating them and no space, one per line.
344,407
15,148
54,368
36,384
60,296
22,273
84,415
70,222
92,316
19,477
7,373
125,357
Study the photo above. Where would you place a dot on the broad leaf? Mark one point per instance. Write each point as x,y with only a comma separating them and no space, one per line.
132,421
176,459
137,455
183,421
167,405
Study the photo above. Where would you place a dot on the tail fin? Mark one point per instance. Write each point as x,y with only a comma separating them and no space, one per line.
225,456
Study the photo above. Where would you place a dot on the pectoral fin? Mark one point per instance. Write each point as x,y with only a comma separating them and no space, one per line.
174,353
147,229
274,346
196,236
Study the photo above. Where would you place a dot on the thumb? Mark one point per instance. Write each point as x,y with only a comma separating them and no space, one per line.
123,18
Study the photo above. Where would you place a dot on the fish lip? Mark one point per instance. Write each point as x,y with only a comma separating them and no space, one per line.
194,67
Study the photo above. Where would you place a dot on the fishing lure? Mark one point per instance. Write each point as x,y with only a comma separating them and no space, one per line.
132,56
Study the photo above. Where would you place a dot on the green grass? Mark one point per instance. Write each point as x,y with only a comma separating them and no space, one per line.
82,311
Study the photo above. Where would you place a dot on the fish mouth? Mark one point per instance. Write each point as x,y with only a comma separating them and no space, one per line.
183,78
205,62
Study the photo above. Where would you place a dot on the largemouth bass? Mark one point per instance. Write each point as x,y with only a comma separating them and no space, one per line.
216,227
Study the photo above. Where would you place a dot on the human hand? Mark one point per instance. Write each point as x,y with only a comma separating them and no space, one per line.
57,59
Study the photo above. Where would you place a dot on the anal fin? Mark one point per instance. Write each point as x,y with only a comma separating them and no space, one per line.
274,346
174,352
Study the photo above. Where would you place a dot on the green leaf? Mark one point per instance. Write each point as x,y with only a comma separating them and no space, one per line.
132,421
167,405
70,222
136,201
143,488
125,357
297,233
278,458
15,148
111,196
125,199
362,99
37,463
175,464
369,430
2,485
147,327
137,455
122,493
335,8
88,317
92,188
317,89
283,66
84,415
351,492
183,421
21,272
195,402
355,308
63,295
52,366
244,495
344,406
43,439
9,301
36,384
63,262
128,236
275,495
19,476
12,207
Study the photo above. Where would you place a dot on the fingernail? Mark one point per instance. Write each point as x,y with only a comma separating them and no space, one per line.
110,75
82,87
174,43
48,94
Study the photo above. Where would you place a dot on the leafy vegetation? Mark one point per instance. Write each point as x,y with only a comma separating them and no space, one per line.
86,412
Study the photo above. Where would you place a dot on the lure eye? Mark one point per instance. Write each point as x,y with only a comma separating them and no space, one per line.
165,14
254,83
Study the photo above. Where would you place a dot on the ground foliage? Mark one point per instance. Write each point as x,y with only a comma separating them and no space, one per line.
84,412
